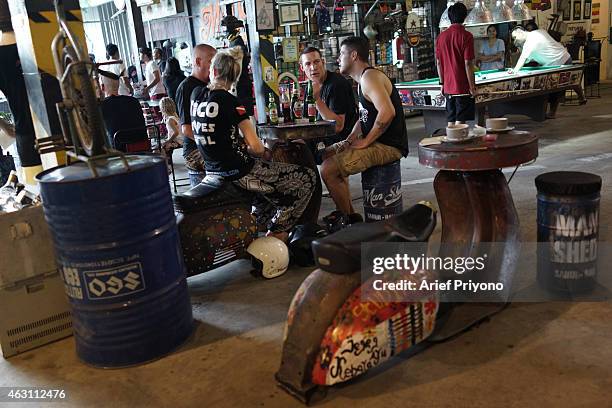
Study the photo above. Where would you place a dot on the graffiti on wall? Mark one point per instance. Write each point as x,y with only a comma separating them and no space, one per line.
211,15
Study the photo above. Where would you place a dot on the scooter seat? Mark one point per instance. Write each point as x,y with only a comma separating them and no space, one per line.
212,192
340,252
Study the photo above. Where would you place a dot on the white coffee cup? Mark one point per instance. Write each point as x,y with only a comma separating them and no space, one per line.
497,123
457,132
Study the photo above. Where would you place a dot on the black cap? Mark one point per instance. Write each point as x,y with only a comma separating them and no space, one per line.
231,22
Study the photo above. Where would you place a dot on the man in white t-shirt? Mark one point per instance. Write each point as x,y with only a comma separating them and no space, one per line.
539,46
112,53
155,87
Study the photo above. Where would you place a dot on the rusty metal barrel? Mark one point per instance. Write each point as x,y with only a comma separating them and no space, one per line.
118,250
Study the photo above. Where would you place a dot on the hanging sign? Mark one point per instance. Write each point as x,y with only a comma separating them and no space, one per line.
290,49
413,23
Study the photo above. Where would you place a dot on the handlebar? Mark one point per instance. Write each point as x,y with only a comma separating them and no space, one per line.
72,38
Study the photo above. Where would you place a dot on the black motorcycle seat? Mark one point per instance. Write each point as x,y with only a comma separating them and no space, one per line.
211,193
341,252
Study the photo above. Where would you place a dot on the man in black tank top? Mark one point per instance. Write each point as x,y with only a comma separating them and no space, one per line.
378,137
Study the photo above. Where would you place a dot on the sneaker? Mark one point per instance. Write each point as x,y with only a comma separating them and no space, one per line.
332,216
340,221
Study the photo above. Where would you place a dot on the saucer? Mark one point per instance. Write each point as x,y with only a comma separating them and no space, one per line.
507,129
467,139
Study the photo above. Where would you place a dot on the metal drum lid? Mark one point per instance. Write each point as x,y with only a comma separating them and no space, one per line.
105,167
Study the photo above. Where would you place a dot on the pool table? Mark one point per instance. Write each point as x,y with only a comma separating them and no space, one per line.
530,88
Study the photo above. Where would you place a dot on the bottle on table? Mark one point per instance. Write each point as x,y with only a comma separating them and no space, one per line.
297,106
286,106
310,104
272,110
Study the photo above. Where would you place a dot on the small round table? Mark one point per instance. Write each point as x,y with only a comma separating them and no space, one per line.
286,143
476,205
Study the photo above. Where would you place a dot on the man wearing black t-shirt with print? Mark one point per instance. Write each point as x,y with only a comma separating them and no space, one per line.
333,95
202,57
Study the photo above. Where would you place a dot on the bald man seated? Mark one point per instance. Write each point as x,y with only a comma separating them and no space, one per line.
120,112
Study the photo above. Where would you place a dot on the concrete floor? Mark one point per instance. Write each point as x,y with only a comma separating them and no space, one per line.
532,354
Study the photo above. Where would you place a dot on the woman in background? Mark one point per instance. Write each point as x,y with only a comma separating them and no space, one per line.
173,76
175,137
492,51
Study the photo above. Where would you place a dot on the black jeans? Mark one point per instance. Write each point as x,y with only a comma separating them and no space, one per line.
13,87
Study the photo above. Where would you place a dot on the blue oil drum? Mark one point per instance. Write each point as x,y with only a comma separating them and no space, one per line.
382,191
568,231
118,250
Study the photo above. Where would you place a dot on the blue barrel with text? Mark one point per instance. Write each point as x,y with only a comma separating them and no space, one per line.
568,230
382,191
118,250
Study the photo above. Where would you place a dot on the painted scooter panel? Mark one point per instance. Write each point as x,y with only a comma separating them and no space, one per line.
365,334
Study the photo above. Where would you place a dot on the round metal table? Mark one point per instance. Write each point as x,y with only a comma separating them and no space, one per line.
477,210
287,144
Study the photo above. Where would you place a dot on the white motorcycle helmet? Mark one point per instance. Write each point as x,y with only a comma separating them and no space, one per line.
270,256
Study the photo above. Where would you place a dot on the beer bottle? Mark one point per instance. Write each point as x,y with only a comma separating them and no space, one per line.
310,104
286,106
297,106
272,110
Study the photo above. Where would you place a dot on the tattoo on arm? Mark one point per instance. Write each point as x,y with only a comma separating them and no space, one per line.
382,125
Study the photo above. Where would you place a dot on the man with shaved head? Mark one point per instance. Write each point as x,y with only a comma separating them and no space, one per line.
202,58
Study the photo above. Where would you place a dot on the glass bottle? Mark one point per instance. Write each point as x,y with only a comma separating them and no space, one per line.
272,110
286,106
310,104
297,106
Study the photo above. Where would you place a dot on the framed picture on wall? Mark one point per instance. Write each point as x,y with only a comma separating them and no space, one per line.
289,13
567,13
587,9
577,10
264,15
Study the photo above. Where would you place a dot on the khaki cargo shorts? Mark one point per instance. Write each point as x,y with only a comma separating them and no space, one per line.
353,161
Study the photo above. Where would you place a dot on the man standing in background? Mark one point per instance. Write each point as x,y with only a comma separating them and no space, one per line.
159,60
155,87
454,59
202,58
112,53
